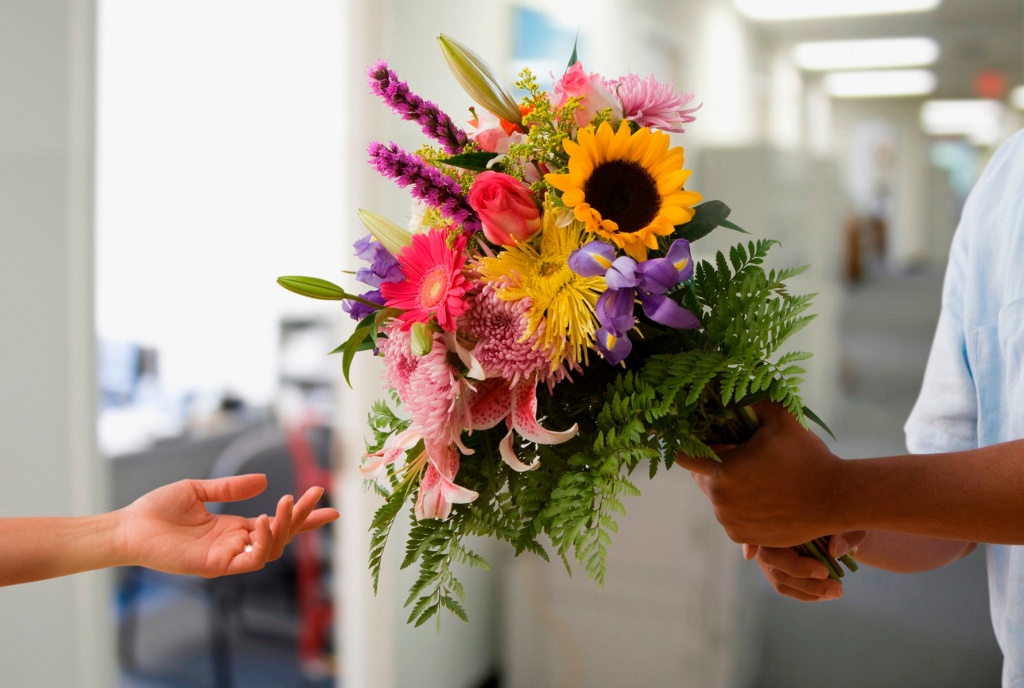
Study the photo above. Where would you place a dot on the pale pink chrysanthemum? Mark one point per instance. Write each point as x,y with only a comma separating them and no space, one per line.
499,327
650,103
429,387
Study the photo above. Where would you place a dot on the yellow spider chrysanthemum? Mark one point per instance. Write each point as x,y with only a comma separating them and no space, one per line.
626,187
562,301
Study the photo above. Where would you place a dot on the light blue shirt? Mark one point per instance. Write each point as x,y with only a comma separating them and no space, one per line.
973,390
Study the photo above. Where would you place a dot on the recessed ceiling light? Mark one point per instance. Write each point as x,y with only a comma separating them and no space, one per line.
865,54
1017,97
779,10
880,84
981,121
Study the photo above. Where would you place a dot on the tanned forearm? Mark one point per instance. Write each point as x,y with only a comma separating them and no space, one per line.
975,496
904,553
39,548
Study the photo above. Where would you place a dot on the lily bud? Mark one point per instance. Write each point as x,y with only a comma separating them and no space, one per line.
391,236
421,338
313,287
479,80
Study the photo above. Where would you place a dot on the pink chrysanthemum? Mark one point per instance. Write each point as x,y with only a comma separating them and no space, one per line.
499,328
652,104
434,285
429,387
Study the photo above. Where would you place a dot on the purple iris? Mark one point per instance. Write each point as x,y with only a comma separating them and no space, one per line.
357,311
627,281
383,268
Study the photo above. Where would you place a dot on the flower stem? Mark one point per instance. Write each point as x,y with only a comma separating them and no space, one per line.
359,299
835,572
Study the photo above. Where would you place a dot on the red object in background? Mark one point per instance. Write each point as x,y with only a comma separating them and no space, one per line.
316,609
990,83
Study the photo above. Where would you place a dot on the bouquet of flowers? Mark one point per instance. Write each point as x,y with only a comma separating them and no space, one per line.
543,326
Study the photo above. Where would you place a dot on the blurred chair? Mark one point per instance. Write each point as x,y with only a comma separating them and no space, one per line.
286,601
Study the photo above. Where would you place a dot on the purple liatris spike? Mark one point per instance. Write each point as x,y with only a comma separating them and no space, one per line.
428,184
435,124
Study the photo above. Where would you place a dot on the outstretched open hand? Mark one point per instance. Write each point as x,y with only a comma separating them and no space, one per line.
170,529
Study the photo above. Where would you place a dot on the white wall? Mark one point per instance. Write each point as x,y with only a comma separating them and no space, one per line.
218,170
54,633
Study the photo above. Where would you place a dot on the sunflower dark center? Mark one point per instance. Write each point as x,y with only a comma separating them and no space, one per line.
625,193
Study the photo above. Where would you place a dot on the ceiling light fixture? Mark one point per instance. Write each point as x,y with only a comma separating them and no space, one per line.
1017,97
880,84
781,10
981,121
820,56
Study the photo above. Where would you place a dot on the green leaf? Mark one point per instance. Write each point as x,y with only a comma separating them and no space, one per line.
706,218
474,162
818,421
572,58
736,228
313,287
357,340
452,605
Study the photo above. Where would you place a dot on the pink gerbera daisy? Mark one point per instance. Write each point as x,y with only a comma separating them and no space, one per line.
650,103
434,285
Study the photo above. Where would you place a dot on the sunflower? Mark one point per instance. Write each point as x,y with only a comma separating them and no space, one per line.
626,187
561,302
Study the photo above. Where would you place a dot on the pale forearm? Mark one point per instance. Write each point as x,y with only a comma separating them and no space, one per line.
39,548
975,496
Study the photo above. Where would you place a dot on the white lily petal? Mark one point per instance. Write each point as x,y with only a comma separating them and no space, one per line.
373,468
524,418
508,455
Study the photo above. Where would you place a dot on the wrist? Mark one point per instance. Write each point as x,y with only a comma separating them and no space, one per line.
832,494
851,498
118,524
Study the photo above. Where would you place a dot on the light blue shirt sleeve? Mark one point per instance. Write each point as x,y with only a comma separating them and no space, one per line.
945,417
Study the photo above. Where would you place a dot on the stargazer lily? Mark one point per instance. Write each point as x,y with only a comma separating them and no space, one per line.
627,281
495,400
438,491
395,449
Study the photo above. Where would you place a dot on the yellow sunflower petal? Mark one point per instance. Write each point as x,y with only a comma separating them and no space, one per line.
670,181
675,214
562,182
572,197
634,228
618,148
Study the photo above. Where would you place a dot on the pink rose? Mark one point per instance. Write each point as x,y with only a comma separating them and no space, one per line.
506,208
576,82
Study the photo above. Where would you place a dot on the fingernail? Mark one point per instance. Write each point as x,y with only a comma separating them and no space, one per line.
839,546
820,574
